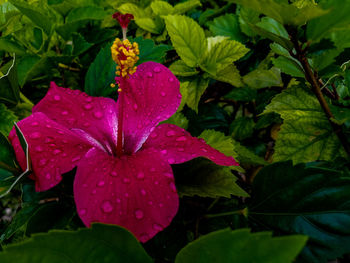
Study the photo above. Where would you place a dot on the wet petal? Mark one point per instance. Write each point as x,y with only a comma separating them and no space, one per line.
151,96
75,109
178,146
136,191
53,149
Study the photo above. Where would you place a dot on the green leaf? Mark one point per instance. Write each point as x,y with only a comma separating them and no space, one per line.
6,180
187,38
271,25
206,179
282,11
229,75
178,119
192,91
337,18
306,134
308,200
181,8
261,78
34,14
149,51
30,66
179,68
7,119
101,74
11,46
241,246
100,243
7,155
86,13
219,141
9,89
288,66
221,55
162,8
80,45
227,25
246,156
242,94
242,128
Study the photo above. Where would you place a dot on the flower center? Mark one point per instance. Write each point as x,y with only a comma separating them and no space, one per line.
125,55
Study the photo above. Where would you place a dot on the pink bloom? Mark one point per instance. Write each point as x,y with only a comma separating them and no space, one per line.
130,184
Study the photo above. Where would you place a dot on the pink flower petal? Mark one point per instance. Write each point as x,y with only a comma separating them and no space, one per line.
178,146
135,191
75,109
152,95
53,149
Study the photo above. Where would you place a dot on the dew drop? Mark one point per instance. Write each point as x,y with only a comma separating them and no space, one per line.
152,169
57,97
157,69
140,175
85,185
144,238
101,183
88,99
171,160
172,187
57,151
126,180
39,149
42,162
163,151
149,74
154,135
169,175
107,207
171,79
35,135
157,227
76,159
118,200
60,132
86,124
204,150
82,212
98,114
170,133
139,214
126,195
64,113
35,123
160,205
180,149
143,192
48,176
94,192
156,183
114,173
181,139
150,202
87,106
135,106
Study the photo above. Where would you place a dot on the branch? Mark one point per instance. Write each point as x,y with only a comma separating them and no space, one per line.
300,55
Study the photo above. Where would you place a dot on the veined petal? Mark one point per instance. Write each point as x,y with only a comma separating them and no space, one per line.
135,191
152,95
53,149
178,146
97,116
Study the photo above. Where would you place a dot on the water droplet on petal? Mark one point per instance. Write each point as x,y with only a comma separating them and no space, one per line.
101,183
144,238
149,74
57,97
143,192
135,106
82,212
180,149
169,175
126,195
160,205
39,149
171,160
107,207
157,227
118,200
152,169
98,114
181,139
139,214
42,162
154,135
48,176
150,202
204,150
35,135
35,123
126,180
87,106
114,173
76,159
64,113
86,124
140,175
163,151
157,69
156,183
170,133
88,99
171,79
94,192
172,187
57,151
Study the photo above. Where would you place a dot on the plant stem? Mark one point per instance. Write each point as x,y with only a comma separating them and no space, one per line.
236,212
300,55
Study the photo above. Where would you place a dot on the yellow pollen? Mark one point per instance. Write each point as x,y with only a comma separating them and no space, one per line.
112,85
125,55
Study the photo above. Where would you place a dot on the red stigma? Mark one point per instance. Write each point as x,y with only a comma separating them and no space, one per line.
123,20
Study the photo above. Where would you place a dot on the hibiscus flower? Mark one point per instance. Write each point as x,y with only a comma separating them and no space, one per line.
122,155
